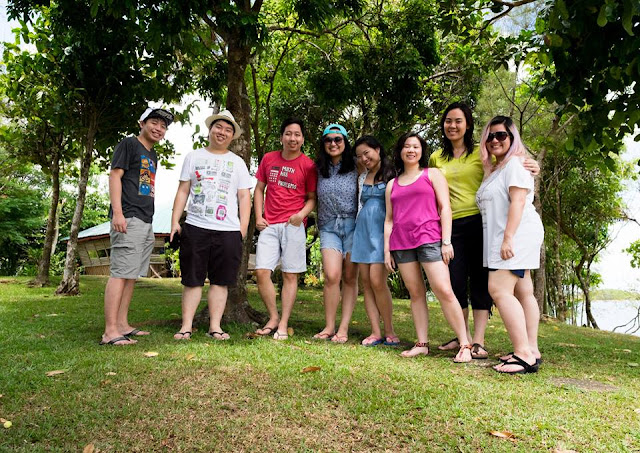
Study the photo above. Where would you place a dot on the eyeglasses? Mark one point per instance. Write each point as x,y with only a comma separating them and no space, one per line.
328,140
500,135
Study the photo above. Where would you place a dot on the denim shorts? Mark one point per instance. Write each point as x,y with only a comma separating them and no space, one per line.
425,253
337,234
516,272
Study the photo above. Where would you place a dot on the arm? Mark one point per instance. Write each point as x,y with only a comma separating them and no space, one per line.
310,203
258,204
518,197
118,221
532,166
441,189
182,194
244,205
388,227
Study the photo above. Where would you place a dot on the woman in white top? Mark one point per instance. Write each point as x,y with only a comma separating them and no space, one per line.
513,234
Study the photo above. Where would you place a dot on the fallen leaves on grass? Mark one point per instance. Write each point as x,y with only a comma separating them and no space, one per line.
290,331
504,435
562,450
55,372
111,373
569,345
310,369
52,314
150,354
632,364
637,411
89,448
251,335
190,356
6,423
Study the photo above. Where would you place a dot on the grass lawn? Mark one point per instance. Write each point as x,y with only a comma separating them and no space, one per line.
250,394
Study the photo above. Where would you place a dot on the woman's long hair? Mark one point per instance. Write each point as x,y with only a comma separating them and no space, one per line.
517,148
385,173
447,146
397,152
347,161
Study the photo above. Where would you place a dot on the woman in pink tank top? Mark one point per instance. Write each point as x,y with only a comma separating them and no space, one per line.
417,230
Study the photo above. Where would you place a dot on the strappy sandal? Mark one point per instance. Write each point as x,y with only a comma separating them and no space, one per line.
476,352
462,348
443,346
410,353
280,336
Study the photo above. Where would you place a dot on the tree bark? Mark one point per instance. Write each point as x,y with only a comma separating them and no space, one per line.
561,301
539,275
70,284
42,279
584,286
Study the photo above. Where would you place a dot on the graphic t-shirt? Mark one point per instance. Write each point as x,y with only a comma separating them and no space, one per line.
287,184
215,181
138,180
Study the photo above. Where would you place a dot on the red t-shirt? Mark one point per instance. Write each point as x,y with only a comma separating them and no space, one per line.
287,184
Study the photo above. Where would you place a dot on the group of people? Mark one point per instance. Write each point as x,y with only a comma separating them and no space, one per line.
463,214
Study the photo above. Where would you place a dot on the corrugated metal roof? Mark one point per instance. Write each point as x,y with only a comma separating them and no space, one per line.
161,225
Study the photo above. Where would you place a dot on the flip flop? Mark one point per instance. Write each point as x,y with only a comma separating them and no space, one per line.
515,360
213,334
340,339
137,333
265,334
114,341
510,354
392,340
372,341
184,334
280,336
323,336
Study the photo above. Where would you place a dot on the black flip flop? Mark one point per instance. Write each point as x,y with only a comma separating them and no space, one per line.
526,368
113,341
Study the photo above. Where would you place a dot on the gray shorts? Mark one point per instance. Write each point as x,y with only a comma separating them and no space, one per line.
131,252
282,241
425,253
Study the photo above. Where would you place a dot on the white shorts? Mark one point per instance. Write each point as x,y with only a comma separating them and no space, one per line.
282,241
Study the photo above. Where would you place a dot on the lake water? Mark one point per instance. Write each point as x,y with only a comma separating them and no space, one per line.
610,314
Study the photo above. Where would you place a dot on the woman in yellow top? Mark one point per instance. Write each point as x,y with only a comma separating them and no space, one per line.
461,164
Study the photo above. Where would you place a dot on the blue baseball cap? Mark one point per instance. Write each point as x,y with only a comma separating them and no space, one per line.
335,129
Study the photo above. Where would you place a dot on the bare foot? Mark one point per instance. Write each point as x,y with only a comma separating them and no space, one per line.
182,335
418,349
324,335
449,345
464,354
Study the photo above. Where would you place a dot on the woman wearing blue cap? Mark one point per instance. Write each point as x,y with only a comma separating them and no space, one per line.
337,209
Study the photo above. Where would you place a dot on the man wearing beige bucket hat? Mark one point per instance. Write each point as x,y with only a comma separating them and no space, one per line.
216,182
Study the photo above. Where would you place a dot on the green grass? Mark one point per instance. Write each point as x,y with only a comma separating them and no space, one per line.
250,395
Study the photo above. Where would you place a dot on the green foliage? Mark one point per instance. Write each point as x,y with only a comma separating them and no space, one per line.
634,251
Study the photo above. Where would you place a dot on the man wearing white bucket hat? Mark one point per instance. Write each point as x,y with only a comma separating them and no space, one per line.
216,182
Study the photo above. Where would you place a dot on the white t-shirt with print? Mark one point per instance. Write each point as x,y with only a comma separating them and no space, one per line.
215,181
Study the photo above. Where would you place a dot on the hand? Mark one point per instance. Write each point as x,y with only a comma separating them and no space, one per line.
531,166
506,250
447,253
119,223
295,219
261,223
243,232
175,228
389,263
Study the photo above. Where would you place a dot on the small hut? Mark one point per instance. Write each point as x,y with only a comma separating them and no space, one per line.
94,246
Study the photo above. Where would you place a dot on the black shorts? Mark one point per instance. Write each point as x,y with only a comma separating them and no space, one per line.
208,252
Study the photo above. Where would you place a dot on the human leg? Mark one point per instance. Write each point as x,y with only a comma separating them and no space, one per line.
370,305
190,300
217,300
501,287
349,296
288,296
384,302
438,276
524,293
267,292
332,268
412,277
112,298
268,254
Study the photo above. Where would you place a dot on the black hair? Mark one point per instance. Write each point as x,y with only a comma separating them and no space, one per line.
385,172
292,120
226,121
447,146
397,152
347,161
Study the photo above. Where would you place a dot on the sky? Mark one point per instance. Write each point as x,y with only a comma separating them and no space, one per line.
614,265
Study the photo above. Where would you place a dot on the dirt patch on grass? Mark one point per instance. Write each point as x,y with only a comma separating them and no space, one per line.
584,384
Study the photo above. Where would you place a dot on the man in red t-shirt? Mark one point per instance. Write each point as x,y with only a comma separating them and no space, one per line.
290,178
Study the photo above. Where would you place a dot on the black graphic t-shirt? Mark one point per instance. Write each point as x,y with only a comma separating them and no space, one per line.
139,179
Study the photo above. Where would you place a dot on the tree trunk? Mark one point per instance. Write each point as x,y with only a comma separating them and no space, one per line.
70,284
42,279
539,275
584,286
561,301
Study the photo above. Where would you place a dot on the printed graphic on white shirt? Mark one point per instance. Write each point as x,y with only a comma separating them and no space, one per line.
211,188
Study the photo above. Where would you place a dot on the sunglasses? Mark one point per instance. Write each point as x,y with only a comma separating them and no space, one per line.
328,140
500,135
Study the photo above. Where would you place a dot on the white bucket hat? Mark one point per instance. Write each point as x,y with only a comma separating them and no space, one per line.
226,116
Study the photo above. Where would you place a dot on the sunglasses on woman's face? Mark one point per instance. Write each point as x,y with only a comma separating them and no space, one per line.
337,140
500,135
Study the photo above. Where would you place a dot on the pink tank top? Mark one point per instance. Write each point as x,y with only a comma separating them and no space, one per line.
415,214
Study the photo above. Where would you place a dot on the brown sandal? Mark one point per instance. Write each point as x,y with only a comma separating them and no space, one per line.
409,353
463,347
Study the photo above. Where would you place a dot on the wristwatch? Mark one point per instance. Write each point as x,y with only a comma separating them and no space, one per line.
446,242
